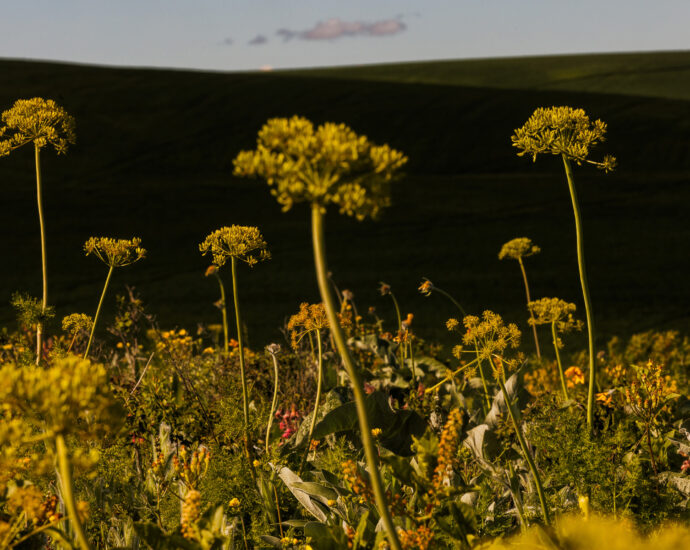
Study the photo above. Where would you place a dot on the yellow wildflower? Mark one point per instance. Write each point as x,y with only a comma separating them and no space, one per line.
244,243
521,247
562,131
115,252
36,120
330,164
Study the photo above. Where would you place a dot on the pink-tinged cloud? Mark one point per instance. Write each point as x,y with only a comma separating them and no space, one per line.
337,28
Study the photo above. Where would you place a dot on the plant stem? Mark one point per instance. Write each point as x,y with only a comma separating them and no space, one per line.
357,389
558,360
98,311
67,489
525,451
238,320
585,291
481,374
531,315
44,261
224,310
275,399
453,300
516,499
319,383
397,310
651,457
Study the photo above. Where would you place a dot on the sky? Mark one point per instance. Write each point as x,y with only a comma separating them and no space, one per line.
233,35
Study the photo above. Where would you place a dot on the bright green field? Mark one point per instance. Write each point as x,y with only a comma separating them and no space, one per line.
154,159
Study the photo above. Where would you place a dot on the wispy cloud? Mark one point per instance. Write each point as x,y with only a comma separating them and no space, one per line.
335,28
258,40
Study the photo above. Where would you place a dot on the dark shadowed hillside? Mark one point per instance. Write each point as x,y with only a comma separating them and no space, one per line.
154,158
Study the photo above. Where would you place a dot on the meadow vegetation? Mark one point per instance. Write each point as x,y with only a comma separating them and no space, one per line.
354,430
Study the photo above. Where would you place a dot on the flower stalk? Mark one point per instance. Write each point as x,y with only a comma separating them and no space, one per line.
525,451
67,490
357,388
44,261
319,384
585,289
98,311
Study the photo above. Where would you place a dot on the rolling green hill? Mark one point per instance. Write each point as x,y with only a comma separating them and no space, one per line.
154,158
664,75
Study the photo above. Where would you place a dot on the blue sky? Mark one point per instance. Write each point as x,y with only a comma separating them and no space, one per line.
249,34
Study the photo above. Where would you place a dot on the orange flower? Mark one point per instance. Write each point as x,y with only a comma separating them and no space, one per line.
575,376
605,398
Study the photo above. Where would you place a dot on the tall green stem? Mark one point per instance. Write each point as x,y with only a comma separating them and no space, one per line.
67,489
397,310
531,315
224,310
44,261
238,320
585,291
274,403
98,311
558,360
367,439
453,300
397,313
525,452
319,366
487,401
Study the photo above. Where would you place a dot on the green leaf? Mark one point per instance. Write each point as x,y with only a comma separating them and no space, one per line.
273,541
397,427
316,490
321,536
290,479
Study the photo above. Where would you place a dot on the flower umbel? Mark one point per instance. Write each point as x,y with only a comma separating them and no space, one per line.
115,252
311,317
241,242
554,310
329,164
521,247
562,131
36,120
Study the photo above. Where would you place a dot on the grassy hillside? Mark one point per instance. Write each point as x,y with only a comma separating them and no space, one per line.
154,159
665,75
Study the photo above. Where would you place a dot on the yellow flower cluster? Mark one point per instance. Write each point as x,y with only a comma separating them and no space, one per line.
515,249
447,450
178,343
27,508
547,311
574,376
115,252
241,242
71,396
330,164
358,484
36,120
77,322
416,539
491,337
191,513
562,131
540,381
309,318
191,467
576,532
648,391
